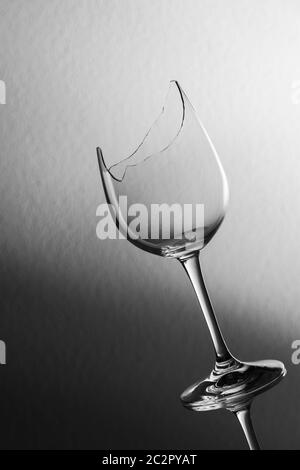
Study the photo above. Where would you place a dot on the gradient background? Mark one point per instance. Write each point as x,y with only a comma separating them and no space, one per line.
101,337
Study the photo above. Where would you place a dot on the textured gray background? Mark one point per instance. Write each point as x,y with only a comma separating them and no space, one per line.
101,337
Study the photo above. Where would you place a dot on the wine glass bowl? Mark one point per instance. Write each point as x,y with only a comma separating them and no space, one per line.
175,164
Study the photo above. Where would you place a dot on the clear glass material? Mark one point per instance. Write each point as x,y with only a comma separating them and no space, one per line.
176,164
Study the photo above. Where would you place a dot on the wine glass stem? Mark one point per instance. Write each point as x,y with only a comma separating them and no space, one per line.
192,266
244,418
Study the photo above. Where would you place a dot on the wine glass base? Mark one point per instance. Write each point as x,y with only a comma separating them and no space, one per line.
234,387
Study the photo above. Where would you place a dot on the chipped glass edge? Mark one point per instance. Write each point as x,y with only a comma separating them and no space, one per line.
184,100
152,154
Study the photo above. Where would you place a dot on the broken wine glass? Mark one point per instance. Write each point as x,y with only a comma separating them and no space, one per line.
176,166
